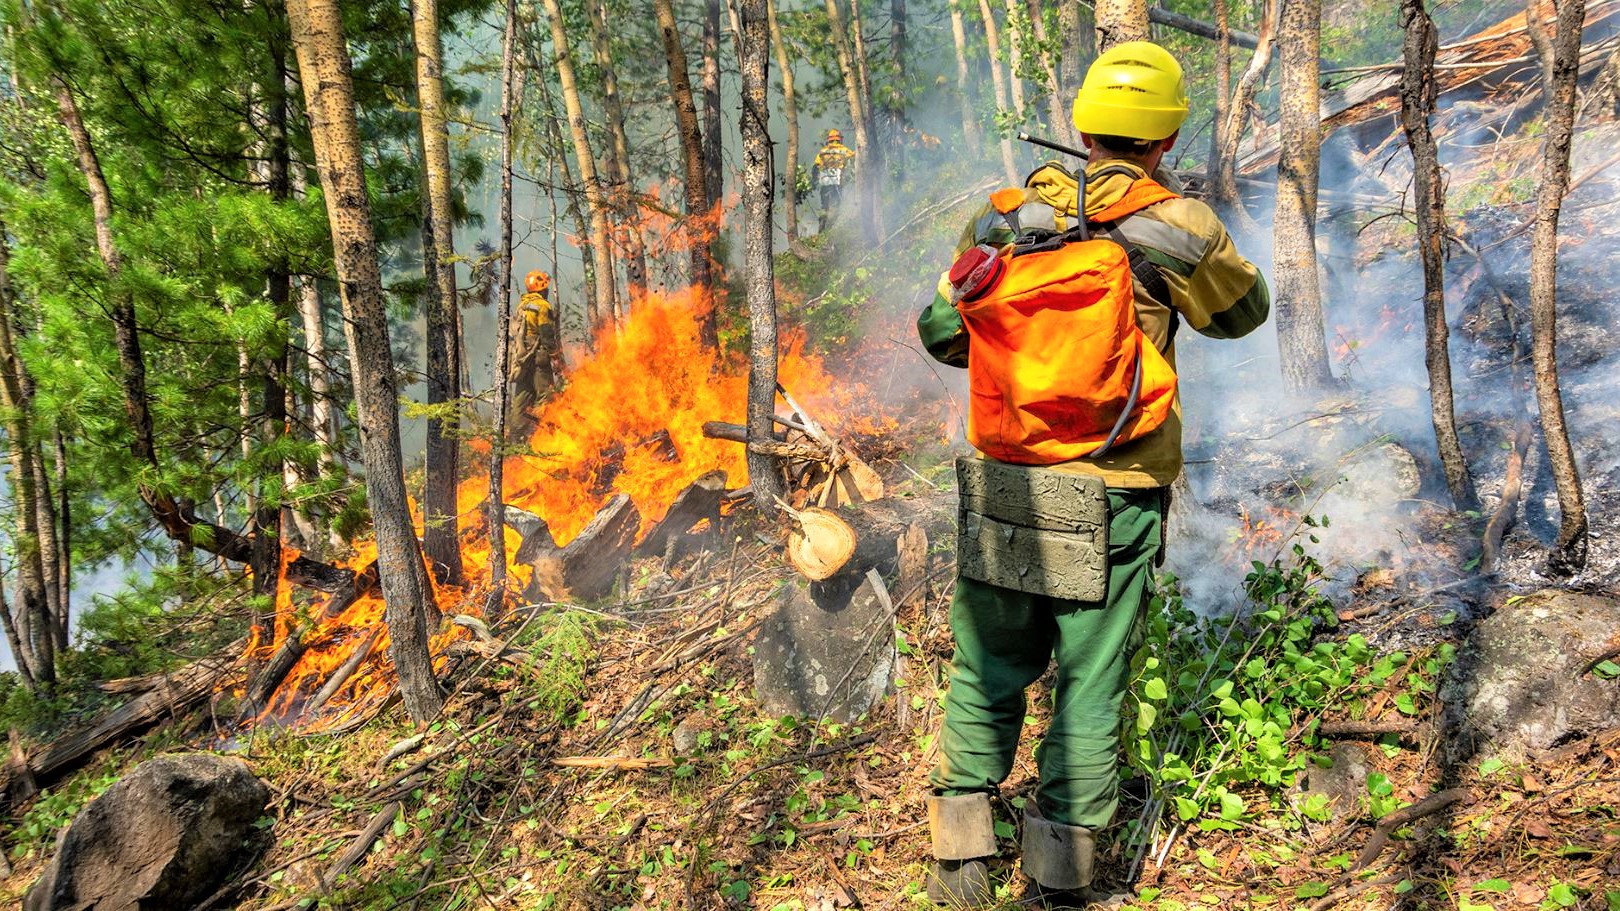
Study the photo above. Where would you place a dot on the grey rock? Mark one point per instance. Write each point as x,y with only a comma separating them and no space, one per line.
1344,780
1522,685
827,652
163,838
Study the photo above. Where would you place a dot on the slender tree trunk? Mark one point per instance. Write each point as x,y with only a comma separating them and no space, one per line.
323,61
1224,193
871,170
790,107
1017,37
601,246
1569,553
865,168
964,96
761,284
1223,89
621,186
713,142
576,205
1417,104
1057,108
310,312
33,583
998,81
440,527
1301,337
50,547
1075,42
21,650
686,122
179,522
1120,21
495,521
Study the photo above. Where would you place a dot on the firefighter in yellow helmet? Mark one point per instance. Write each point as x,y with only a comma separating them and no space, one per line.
831,167
1011,618
535,353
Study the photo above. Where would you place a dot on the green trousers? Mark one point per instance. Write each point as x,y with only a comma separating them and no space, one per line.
1004,641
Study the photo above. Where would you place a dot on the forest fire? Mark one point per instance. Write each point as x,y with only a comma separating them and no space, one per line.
629,422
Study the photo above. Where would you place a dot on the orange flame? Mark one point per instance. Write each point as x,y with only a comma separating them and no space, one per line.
629,421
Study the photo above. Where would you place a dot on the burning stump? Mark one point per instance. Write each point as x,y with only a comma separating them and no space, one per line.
585,568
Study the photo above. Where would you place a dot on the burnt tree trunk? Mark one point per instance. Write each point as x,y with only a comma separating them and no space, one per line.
503,321
713,144
1301,338
1428,190
759,277
1119,21
323,61
1569,553
439,523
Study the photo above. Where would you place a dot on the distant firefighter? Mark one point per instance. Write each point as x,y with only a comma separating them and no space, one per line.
534,359
831,163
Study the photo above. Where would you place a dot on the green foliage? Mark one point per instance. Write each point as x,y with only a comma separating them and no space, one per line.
1224,708
54,808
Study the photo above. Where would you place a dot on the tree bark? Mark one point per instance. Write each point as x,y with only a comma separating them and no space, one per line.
622,191
1057,107
1223,90
323,61
866,200
713,142
494,520
1016,36
970,117
1428,191
1300,335
1569,553
759,278
38,650
440,528
998,82
1120,21
686,122
601,247
790,108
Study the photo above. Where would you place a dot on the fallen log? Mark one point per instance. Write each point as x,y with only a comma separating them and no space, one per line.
1200,28
700,500
177,694
314,574
585,568
264,684
343,673
361,846
820,543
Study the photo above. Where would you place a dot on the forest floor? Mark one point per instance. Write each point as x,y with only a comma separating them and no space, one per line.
683,792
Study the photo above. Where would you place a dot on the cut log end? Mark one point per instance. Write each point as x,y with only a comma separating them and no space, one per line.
821,544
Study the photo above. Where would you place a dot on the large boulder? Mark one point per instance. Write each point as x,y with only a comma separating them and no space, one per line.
1525,681
163,838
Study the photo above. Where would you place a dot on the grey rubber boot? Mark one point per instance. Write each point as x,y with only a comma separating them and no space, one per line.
964,837
1058,860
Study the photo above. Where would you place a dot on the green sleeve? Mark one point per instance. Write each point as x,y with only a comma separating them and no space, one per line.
941,330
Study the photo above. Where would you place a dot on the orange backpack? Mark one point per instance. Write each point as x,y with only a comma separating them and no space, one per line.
1057,367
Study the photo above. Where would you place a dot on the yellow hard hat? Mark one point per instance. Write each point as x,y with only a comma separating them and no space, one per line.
1133,90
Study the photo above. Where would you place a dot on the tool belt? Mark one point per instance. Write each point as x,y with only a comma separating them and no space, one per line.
1032,529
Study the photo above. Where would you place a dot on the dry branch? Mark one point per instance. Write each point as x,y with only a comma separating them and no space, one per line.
361,846
1434,803
618,763
1512,491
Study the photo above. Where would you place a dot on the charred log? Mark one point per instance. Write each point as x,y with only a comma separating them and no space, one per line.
585,568
699,501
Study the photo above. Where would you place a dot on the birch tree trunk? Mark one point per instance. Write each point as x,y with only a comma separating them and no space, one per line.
1016,36
495,520
998,82
440,525
790,108
1428,190
621,189
1119,21
1224,193
323,62
964,96
1076,42
686,123
1057,111
1301,337
1569,553
596,204
760,281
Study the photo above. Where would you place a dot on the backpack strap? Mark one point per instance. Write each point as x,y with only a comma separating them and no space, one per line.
1143,192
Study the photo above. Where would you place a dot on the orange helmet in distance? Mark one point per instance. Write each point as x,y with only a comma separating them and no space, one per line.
537,282
834,136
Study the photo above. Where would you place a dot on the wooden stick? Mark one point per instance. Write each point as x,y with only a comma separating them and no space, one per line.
1512,491
1364,728
619,763
343,673
361,846
1430,805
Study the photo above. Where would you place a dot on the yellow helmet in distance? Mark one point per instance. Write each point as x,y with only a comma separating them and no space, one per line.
1135,90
